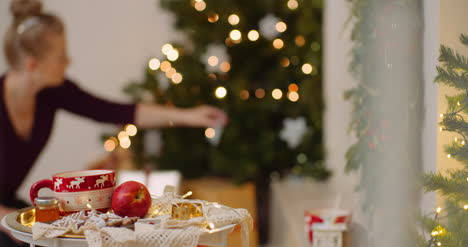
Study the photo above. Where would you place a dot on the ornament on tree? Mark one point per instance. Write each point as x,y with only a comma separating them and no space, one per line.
267,26
293,131
215,55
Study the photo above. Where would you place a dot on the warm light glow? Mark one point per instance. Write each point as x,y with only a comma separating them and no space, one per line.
439,244
172,55
220,92
235,35
177,78
277,94
244,95
293,96
166,48
299,40
210,133
438,209
213,61
233,19
110,145
260,93
213,18
458,103
449,156
122,135
441,115
165,66
200,5
170,72
225,66
125,143
463,142
440,129
253,35
211,226
228,42
285,62
278,43
154,64
293,87
293,4
307,68
455,139
465,207
434,233
281,27
131,129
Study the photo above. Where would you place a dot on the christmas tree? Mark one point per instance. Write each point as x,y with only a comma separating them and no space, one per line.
449,226
260,61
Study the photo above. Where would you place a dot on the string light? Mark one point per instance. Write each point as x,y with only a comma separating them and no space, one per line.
253,35
177,78
455,139
293,87
210,133
281,27
233,19
260,93
277,94
299,40
225,67
439,244
440,129
235,35
154,64
278,43
172,55
438,210
166,48
165,66
213,61
220,92
122,135
110,144
125,143
458,103
200,6
170,72
434,233
285,62
213,18
449,156
244,94
131,129
441,115
293,96
293,4
307,68
463,142
465,207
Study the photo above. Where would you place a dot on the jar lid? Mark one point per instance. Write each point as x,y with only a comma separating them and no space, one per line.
46,201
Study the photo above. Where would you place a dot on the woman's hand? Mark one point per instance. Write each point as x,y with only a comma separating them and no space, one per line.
204,116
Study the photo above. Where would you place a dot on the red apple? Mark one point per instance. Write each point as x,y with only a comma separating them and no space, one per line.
131,199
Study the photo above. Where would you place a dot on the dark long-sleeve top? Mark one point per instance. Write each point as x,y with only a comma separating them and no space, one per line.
18,155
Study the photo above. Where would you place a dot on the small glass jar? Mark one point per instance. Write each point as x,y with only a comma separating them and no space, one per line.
47,209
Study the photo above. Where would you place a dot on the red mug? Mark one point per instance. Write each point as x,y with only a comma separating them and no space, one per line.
79,190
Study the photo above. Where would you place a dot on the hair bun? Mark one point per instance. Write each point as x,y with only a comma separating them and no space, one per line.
22,9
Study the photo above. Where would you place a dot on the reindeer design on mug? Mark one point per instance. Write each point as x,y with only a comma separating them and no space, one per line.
76,183
100,182
57,183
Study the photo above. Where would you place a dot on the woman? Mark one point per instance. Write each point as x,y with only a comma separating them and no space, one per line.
35,88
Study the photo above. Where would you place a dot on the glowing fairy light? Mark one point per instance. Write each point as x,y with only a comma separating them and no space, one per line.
235,35
438,210
110,145
213,61
165,66
200,5
293,87
449,156
278,43
220,92
293,4
225,67
281,27
233,19
441,115
177,78
210,133
172,55
131,129
293,96
285,62
154,64
166,48
307,68
260,93
253,35
299,40
125,143
213,18
277,94
244,95
122,135
170,72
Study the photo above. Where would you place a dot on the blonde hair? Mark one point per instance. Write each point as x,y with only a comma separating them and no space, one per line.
29,31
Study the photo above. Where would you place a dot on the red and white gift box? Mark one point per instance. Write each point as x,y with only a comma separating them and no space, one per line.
331,219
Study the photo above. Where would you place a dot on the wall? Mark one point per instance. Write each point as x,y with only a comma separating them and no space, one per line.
109,42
